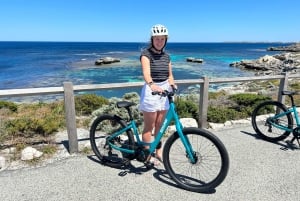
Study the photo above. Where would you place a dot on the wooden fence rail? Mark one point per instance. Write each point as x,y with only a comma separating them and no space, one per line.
68,90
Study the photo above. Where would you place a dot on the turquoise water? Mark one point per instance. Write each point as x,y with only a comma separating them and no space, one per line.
47,64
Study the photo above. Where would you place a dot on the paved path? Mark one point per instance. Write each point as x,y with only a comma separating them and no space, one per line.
259,171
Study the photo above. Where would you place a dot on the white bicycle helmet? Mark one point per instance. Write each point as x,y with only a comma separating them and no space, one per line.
159,30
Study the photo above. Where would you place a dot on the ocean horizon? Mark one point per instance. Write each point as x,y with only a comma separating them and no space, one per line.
49,64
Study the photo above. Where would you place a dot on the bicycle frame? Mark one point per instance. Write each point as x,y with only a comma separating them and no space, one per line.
171,115
292,110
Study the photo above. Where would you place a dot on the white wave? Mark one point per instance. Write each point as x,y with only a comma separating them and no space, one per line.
114,52
86,54
257,50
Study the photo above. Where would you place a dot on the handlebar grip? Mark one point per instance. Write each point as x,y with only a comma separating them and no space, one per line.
155,93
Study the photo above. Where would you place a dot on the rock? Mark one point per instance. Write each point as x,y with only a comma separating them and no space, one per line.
30,153
276,64
2,162
189,122
186,122
99,62
291,48
216,126
195,60
106,60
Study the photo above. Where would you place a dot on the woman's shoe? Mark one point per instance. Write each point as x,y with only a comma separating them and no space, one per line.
155,161
157,157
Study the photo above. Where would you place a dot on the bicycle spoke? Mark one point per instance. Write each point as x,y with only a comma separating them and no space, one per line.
211,164
268,124
102,140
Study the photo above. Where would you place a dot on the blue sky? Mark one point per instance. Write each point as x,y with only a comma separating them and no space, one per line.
130,20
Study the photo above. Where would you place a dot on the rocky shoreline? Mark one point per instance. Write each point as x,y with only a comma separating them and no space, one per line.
288,61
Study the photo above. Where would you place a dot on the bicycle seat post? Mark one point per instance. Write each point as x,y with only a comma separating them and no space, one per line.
290,94
129,113
292,99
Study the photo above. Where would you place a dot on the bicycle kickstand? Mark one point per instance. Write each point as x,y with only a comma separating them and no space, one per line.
292,142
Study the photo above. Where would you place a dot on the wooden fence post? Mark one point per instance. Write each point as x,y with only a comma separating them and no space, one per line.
283,86
203,103
70,117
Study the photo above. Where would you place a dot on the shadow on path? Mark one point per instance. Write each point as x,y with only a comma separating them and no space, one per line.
285,145
159,172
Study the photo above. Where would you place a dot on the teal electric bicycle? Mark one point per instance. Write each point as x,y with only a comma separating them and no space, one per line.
194,158
274,121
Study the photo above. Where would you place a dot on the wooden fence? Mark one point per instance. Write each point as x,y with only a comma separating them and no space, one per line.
68,90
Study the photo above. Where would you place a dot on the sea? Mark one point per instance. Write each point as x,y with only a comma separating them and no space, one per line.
49,64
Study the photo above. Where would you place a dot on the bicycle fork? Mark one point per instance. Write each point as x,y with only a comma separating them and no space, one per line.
190,153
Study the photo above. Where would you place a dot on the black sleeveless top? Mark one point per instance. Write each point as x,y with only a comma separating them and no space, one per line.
159,65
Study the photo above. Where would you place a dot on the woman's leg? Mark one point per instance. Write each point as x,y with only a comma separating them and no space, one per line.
159,120
149,124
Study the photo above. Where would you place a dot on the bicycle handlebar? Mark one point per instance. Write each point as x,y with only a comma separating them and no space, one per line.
166,93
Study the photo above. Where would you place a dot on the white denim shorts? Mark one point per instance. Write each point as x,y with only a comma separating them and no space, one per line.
154,103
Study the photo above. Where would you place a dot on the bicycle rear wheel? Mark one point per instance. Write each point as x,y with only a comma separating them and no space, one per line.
102,128
262,120
212,160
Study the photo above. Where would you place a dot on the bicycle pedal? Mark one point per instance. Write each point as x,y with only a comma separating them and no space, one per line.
149,165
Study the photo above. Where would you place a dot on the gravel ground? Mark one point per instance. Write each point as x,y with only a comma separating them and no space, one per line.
259,170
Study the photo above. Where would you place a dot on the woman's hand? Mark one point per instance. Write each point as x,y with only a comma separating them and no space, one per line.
174,86
154,87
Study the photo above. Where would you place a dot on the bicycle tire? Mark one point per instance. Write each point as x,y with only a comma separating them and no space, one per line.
211,167
262,114
101,128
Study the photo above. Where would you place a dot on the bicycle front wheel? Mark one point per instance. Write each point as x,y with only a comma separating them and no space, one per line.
212,160
102,128
263,119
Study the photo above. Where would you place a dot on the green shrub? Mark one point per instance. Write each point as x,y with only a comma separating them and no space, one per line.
9,105
295,86
187,108
36,119
266,110
218,114
247,99
87,103
133,96
239,106
216,95
111,108
245,103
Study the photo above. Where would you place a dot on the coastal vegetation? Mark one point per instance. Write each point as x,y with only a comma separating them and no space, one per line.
38,122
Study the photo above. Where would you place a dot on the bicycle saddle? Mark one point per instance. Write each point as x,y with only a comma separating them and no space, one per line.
288,93
124,104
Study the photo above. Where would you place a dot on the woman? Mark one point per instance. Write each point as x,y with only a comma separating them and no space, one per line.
158,76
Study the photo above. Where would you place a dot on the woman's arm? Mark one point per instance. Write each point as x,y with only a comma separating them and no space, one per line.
146,69
171,78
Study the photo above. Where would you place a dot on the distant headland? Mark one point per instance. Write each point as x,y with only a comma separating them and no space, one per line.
288,61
